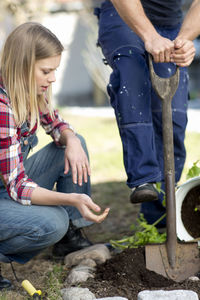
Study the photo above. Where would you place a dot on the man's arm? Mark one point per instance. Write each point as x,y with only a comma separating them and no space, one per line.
132,12
190,29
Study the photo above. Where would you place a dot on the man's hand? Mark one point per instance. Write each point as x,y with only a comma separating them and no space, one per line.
180,51
85,205
184,52
160,48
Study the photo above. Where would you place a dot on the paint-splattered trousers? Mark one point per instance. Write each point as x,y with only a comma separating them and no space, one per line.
138,109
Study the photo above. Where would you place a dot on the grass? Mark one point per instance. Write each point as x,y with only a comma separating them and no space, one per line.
109,189
105,148
103,143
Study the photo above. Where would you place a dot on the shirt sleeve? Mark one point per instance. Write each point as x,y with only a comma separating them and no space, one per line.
17,183
54,125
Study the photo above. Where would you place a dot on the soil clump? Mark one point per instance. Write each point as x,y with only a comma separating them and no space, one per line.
190,212
125,275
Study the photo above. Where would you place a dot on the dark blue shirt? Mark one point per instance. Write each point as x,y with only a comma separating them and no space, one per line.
163,12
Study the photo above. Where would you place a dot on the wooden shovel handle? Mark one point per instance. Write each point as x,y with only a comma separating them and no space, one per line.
165,89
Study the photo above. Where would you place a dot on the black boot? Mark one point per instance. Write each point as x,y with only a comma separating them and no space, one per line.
72,241
4,283
144,193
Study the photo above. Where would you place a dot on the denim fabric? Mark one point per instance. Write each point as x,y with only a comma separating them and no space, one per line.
26,230
138,109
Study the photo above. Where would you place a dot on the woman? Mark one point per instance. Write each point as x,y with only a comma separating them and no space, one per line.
33,216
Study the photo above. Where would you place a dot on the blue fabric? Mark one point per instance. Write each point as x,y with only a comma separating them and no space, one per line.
137,108
162,12
26,230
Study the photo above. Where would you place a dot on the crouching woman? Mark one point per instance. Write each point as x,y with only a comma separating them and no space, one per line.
40,195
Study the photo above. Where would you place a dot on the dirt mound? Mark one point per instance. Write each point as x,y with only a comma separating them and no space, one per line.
125,275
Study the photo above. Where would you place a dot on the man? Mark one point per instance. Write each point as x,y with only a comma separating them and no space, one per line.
128,31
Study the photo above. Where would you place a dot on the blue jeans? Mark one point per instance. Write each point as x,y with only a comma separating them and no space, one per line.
138,109
26,230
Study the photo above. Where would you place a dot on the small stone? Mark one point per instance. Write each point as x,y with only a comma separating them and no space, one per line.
76,293
88,262
112,298
168,295
193,278
99,253
80,274
84,268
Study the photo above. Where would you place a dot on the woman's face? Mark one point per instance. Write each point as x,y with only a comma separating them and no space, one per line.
45,72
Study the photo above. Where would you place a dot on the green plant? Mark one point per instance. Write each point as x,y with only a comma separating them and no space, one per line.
54,283
194,170
161,191
3,297
144,233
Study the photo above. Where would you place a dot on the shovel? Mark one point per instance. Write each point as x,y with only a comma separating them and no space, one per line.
173,260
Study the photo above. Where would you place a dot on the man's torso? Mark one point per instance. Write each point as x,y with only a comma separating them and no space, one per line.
162,12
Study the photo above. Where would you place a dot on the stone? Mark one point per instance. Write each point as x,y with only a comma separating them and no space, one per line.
193,278
99,253
80,274
75,293
88,262
168,295
112,298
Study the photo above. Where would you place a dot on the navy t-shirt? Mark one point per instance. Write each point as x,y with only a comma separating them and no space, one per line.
163,12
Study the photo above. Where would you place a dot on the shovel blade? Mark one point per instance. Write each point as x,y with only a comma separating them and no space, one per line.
187,261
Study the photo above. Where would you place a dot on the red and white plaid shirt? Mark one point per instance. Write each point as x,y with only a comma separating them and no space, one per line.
12,173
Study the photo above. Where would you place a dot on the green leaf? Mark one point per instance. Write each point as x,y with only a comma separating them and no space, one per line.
144,233
158,187
194,171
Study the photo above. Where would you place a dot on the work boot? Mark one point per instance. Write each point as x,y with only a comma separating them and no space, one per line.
72,241
4,283
144,193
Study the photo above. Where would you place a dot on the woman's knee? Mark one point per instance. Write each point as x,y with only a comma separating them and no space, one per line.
56,225
37,227
51,226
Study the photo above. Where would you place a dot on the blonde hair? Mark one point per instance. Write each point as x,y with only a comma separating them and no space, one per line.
28,43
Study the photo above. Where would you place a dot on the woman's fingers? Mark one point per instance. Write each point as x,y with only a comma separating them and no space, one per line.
90,210
83,171
90,216
101,217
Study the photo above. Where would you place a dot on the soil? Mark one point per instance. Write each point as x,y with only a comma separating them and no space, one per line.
190,212
124,275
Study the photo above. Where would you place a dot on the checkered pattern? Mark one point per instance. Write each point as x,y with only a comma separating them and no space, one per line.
12,172
54,126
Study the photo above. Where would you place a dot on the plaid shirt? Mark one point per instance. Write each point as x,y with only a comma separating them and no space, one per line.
12,173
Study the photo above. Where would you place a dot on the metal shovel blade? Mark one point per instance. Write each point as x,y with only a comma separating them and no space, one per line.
187,261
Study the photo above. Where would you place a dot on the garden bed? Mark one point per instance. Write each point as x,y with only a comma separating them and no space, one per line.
125,275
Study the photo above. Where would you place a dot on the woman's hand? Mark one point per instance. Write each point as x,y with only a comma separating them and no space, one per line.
76,158
85,205
88,209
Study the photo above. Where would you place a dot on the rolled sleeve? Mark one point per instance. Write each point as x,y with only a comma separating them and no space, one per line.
54,125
